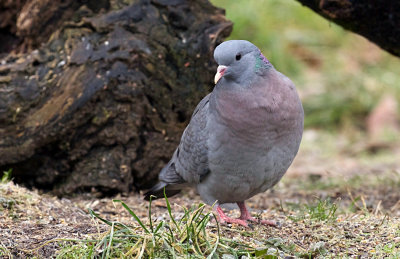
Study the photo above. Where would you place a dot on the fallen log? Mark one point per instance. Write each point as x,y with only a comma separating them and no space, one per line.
95,94
378,21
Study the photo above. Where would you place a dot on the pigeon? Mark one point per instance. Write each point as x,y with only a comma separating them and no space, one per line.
241,138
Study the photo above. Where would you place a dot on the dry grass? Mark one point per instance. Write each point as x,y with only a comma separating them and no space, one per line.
29,220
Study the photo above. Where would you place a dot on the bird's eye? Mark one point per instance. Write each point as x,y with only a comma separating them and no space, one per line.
238,56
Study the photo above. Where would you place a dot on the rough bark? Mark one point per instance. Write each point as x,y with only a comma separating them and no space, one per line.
378,21
101,103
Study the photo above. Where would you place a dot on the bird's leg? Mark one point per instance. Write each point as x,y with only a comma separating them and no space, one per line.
245,215
222,218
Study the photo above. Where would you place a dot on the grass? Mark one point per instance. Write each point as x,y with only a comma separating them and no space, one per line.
5,202
188,236
322,210
191,235
389,178
4,252
341,76
6,177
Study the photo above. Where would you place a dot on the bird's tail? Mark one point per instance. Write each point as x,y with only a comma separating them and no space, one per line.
157,191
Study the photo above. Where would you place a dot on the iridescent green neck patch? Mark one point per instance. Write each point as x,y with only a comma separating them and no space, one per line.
261,62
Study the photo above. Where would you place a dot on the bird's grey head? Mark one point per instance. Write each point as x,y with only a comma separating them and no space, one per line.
239,61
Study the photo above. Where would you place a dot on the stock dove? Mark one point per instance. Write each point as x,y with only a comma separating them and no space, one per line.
242,137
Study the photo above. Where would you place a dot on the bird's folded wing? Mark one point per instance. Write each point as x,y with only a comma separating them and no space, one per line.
190,160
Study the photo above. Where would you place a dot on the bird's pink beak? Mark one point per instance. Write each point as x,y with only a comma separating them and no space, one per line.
220,72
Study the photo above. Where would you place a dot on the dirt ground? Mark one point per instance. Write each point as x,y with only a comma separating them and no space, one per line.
364,184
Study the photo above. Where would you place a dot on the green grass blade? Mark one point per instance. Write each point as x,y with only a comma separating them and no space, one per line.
133,215
217,241
170,212
171,234
158,227
111,236
6,176
151,222
143,248
203,223
95,215
171,250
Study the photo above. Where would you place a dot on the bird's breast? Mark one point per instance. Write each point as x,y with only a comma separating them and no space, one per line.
250,114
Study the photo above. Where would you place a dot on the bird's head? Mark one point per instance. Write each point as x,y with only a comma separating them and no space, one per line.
238,60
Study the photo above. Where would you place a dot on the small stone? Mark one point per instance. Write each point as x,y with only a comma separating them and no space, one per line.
272,251
318,247
7,203
61,63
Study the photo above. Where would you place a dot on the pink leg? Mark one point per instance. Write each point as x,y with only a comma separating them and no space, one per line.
245,215
225,219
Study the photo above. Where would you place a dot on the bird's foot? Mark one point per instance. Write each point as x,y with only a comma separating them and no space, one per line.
260,221
244,218
233,221
245,215
223,219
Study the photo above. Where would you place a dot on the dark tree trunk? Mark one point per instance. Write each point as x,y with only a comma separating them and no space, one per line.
95,94
377,20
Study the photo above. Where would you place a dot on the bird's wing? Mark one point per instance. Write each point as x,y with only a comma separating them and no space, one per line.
189,163
191,156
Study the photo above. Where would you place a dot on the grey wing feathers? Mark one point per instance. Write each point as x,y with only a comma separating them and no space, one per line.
168,179
169,175
189,163
191,160
201,105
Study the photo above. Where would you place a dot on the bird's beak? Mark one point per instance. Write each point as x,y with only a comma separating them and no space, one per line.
220,72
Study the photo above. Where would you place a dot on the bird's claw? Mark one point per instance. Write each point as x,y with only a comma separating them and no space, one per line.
234,221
